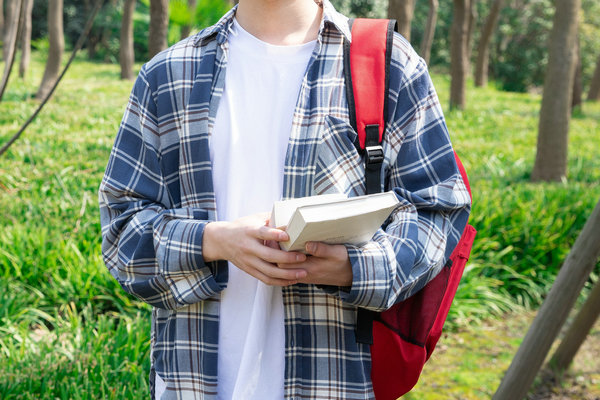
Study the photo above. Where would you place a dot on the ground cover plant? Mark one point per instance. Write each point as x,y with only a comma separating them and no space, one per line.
67,330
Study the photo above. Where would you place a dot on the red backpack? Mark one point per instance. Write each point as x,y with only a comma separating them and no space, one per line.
403,337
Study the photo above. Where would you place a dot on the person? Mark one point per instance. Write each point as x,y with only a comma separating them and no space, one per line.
217,128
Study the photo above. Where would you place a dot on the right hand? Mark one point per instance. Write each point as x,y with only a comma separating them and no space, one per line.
244,242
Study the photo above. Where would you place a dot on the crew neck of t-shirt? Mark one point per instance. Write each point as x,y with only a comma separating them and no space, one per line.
252,46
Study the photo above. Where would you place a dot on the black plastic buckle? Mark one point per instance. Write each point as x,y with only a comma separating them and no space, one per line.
374,155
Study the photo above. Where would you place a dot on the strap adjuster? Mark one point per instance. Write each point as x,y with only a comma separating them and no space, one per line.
374,155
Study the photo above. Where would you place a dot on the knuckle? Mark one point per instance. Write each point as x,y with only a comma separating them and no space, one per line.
261,231
245,246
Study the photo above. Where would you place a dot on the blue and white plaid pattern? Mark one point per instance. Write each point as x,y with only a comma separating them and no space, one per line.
157,196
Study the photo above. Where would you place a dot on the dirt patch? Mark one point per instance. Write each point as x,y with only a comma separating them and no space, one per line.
469,364
580,382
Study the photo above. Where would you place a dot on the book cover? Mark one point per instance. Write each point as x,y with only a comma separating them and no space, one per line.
333,219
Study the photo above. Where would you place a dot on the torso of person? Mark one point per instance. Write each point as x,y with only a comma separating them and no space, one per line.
248,149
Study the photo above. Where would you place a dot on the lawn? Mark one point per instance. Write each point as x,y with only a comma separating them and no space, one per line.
68,331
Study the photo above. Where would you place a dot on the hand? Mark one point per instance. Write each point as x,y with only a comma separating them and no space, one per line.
327,264
244,241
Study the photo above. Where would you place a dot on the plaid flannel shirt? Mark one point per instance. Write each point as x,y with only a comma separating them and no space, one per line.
157,196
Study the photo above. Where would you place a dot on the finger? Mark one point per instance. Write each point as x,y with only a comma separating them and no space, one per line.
269,273
272,244
272,281
318,249
269,233
277,256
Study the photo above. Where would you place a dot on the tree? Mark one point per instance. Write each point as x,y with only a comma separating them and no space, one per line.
93,38
56,48
2,18
594,93
12,18
126,53
402,11
27,9
555,113
459,62
83,35
106,30
429,32
185,29
576,100
470,30
483,48
553,313
10,44
578,331
159,23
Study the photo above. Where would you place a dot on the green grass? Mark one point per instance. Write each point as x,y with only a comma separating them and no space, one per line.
67,330
469,364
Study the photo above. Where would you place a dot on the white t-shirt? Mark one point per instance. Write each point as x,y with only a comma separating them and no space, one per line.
248,148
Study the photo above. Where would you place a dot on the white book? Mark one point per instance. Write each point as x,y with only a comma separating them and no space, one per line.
333,219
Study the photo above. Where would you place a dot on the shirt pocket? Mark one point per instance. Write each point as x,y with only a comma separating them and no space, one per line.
339,166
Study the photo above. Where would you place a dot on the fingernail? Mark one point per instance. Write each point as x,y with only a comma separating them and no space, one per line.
300,274
310,247
300,257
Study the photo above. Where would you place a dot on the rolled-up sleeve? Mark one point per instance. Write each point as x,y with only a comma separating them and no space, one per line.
434,202
153,249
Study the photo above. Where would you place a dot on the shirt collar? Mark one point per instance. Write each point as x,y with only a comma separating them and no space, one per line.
222,28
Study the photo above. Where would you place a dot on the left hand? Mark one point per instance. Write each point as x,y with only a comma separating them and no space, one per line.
326,264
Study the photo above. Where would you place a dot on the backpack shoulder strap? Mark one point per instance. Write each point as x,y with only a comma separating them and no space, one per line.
366,69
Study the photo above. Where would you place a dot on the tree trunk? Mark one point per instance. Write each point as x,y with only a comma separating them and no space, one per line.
92,40
459,61
76,48
11,45
186,29
483,49
27,8
402,11
472,20
106,33
57,46
577,101
126,54
159,24
555,113
594,93
578,331
554,311
429,30
2,18
92,46
12,18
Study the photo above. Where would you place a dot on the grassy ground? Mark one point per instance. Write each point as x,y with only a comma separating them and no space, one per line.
68,331
468,364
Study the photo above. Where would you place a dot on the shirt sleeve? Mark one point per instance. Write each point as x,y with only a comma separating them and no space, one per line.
153,249
434,202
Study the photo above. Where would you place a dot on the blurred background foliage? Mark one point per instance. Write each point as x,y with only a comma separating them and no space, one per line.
518,54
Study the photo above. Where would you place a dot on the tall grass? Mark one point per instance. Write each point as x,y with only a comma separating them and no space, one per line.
67,330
